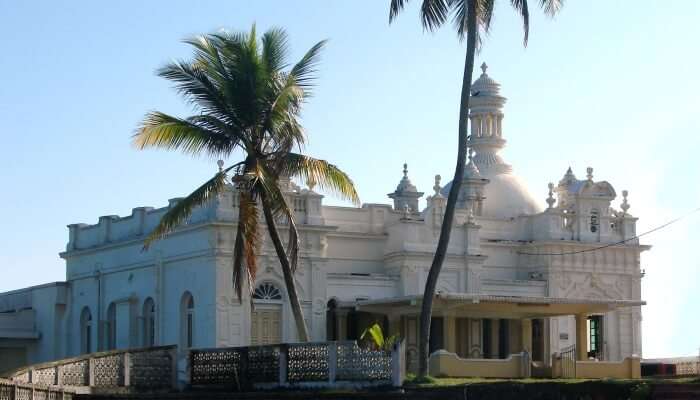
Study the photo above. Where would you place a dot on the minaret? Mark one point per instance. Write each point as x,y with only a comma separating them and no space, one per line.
486,116
406,195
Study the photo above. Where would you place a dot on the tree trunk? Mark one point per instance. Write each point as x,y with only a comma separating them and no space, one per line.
446,229
302,331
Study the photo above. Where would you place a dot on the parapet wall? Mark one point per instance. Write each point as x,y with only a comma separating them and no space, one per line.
113,228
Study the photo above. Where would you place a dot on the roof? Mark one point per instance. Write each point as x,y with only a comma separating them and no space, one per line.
486,305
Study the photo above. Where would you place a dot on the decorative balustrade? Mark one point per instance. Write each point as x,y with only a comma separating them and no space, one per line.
10,390
323,364
153,368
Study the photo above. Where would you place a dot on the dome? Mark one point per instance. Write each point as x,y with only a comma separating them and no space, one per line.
506,196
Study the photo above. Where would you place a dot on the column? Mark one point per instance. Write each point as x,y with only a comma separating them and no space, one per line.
473,120
495,335
341,324
581,340
394,325
450,330
526,334
499,125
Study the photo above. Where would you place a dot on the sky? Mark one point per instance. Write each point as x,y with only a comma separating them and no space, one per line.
608,84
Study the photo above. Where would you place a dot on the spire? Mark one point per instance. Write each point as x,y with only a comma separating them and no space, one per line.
486,120
406,193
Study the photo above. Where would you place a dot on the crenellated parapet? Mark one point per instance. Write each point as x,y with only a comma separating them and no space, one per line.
110,229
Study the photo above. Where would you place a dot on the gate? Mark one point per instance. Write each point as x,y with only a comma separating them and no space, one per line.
568,362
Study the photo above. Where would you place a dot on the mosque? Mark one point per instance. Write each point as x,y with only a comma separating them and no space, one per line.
520,274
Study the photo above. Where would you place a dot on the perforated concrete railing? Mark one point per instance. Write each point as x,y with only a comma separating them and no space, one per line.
10,390
323,364
153,368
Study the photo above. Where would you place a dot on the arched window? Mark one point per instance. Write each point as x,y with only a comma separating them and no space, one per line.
267,291
86,330
149,322
187,320
595,222
112,326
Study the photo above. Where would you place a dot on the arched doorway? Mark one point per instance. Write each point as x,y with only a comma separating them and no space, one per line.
266,317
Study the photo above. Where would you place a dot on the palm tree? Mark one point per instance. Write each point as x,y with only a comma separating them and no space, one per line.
469,17
248,104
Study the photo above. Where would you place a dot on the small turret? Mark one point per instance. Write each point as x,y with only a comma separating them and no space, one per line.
405,194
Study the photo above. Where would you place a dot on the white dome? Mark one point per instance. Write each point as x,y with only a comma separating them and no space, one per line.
506,195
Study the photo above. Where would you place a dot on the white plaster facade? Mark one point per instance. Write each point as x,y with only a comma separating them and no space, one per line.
350,258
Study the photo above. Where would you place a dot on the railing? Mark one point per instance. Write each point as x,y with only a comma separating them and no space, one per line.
568,362
151,368
27,391
323,364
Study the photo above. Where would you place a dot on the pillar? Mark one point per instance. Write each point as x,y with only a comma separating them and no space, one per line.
449,332
495,326
341,318
526,334
581,340
394,325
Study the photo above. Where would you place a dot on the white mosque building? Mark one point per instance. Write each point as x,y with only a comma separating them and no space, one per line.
520,273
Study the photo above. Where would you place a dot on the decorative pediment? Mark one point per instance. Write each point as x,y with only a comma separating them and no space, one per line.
598,189
592,286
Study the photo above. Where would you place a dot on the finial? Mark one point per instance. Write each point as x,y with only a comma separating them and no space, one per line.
625,205
484,67
589,173
220,163
437,187
470,216
311,183
405,170
550,199
569,171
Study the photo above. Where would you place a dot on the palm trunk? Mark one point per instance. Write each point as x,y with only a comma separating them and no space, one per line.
446,229
302,331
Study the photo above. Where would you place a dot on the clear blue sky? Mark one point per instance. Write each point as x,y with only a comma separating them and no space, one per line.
608,84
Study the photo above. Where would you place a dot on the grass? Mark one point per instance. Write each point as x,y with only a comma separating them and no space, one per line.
429,381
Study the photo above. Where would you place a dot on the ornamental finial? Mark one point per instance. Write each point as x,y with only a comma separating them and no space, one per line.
220,163
405,170
589,173
437,187
484,67
625,205
550,199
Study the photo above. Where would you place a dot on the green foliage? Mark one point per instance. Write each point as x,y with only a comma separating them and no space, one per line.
247,99
375,335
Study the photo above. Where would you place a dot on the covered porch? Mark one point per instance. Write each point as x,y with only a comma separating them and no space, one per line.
482,335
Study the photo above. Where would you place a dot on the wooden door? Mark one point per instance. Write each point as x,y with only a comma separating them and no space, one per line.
266,324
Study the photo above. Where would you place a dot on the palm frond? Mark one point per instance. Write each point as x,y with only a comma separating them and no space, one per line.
319,172
191,136
551,7
395,8
246,244
521,7
434,13
275,49
304,72
179,213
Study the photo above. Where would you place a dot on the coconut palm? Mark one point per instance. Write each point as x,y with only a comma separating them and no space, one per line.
470,18
248,103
